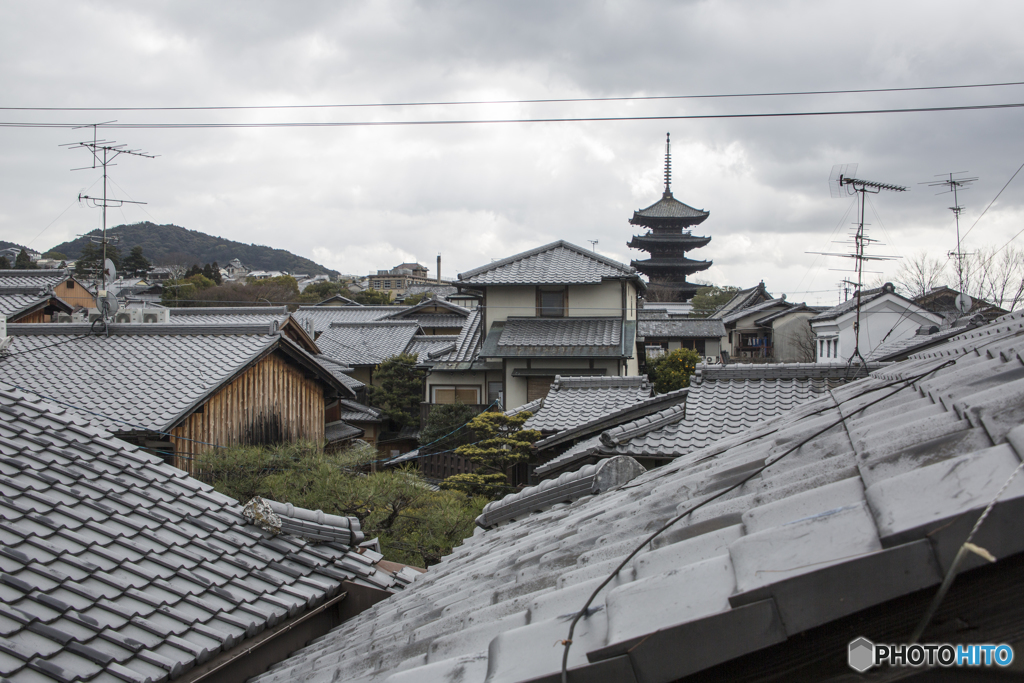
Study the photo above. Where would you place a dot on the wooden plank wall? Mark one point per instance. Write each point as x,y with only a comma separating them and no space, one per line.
272,402
76,295
40,316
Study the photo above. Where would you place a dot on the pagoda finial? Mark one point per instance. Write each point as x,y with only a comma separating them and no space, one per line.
668,165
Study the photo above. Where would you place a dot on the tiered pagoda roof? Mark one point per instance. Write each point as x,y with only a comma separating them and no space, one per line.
669,239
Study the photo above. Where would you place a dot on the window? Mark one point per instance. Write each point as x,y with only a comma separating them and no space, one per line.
551,302
455,394
494,393
70,284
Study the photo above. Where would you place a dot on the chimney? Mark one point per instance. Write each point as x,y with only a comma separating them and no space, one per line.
438,267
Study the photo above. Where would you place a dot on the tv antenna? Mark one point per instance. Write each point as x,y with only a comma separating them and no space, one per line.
954,185
843,183
593,245
103,154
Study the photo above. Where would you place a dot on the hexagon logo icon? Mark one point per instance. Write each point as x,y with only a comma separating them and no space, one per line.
861,656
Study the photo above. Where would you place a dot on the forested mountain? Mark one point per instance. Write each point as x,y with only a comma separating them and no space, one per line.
4,245
173,245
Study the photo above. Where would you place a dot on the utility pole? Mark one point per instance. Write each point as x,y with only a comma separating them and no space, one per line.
954,185
842,183
103,154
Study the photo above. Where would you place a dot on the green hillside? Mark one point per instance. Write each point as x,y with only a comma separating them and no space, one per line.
172,245
4,245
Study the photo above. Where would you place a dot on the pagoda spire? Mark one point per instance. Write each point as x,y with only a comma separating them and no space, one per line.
669,237
668,167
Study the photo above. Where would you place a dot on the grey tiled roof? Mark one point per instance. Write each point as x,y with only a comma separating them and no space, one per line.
115,566
573,401
340,371
367,343
682,327
40,279
351,411
558,263
670,207
629,413
141,377
212,315
900,348
340,430
735,315
12,304
561,332
866,296
427,347
801,517
723,401
531,337
324,316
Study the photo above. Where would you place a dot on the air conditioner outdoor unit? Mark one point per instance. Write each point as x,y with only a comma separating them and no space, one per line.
94,315
65,317
156,315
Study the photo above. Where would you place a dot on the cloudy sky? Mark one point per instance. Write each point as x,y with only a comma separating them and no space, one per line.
358,198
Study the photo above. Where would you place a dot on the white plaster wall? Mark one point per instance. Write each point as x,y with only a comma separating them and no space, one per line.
597,301
506,302
883,320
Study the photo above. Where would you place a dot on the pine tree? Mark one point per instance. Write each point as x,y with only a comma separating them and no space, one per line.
398,390
502,443
135,264
24,261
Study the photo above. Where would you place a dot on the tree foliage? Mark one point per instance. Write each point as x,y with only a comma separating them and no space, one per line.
90,262
398,389
673,370
4,263
446,428
135,264
709,299
501,444
24,261
371,297
415,525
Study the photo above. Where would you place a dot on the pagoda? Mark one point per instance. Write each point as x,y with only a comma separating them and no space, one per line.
668,222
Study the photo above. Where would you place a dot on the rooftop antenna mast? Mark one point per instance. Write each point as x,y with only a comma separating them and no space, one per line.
954,185
843,183
103,154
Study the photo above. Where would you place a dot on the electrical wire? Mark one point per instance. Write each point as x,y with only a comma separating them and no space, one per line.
637,98
991,203
568,119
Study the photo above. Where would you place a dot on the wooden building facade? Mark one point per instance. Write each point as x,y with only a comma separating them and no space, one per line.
273,401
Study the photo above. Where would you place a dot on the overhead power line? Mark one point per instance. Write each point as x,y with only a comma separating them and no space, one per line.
568,119
558,100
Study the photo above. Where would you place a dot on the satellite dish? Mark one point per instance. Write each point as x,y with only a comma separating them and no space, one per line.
836,187
109,304
109,272
963,303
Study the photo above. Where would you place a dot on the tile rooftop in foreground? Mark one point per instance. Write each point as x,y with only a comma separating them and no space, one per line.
116,566
802,513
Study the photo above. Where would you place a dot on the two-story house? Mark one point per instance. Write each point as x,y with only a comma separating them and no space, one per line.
555,310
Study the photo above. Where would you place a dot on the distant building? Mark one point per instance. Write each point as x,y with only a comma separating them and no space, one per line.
668,239
885,316
399,279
